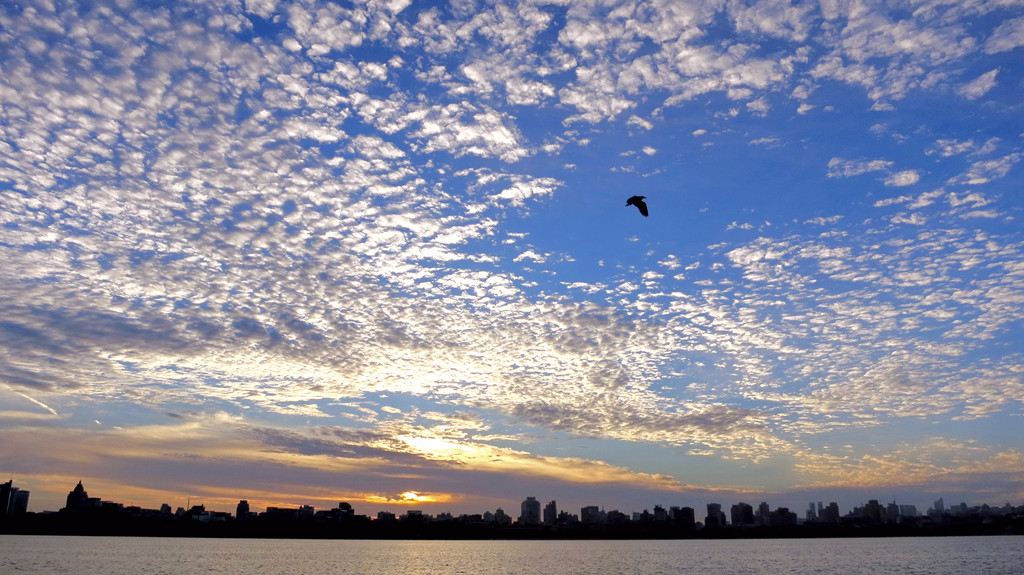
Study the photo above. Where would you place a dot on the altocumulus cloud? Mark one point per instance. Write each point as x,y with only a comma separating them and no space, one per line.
307,230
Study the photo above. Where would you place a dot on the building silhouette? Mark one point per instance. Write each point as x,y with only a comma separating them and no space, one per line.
592,514
530,512
502,518
742,514
550,513
715,518
242,511
683,516
13,501
874,511
782,517
831,513
763,515
78,500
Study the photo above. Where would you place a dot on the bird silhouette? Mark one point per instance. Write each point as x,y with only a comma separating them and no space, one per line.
638,201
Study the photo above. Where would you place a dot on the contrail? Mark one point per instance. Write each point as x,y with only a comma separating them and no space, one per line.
37,402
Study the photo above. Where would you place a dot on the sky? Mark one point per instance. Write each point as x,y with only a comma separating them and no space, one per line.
378,252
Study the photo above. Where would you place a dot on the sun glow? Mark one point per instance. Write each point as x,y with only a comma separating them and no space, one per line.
411,498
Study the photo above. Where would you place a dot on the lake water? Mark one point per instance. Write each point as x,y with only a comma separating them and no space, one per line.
53,555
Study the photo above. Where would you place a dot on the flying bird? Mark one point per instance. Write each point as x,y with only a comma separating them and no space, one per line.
638,201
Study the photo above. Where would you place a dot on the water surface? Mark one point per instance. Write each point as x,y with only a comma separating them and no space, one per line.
56,555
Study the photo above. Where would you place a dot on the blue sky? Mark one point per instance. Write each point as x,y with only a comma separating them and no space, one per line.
378,252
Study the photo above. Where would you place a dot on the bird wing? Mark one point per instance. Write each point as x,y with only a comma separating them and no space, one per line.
638,201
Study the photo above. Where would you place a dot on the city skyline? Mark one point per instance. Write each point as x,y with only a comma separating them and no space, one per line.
533,510
83,514
380,251
741,513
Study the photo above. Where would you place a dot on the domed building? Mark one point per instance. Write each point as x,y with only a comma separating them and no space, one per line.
78,500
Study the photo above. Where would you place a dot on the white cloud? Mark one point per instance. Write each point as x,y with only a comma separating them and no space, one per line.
1006,37
671,262
638,121
974,199
526,93
840,168
892,201
984,171
774,18
990,214
466,130
759,107
823,221
947,148
980,85
903,178
915,219
926,199
532,256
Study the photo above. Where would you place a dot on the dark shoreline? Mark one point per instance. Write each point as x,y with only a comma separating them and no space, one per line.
363,528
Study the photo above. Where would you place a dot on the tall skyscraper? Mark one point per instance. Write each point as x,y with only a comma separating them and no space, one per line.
550,513
763,514
530,512
873,511
715,518
742,514
13,501
19,502
831,513
892,512
684,517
